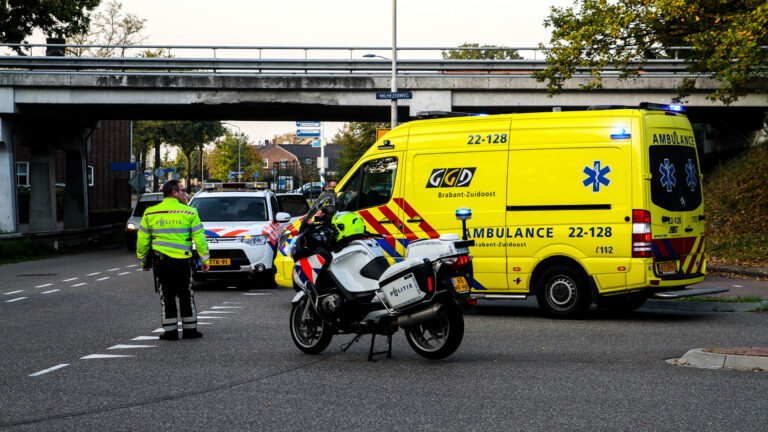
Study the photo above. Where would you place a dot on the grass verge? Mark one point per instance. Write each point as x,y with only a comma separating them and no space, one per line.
749,299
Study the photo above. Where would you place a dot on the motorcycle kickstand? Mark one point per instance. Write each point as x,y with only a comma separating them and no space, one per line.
345,347
372,353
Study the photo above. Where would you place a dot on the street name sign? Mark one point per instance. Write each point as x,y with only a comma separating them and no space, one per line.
302,124
308,132
394,95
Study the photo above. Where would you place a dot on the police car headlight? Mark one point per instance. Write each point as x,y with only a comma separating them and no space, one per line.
131,226
254,240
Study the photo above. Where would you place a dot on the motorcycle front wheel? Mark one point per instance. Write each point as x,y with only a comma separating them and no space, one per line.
439,338
309,331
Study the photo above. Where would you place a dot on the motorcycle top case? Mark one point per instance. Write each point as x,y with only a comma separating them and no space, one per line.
406,282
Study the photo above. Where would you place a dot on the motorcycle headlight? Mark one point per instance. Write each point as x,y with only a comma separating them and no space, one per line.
255,239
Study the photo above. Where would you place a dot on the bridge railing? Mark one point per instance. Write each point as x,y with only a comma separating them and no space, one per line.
205,59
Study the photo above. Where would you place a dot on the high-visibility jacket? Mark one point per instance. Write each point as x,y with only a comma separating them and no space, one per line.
170,228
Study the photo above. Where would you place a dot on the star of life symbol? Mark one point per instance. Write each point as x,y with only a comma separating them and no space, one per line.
690,177
596,176
667,175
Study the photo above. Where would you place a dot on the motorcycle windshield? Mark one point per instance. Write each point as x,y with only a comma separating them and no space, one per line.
327,198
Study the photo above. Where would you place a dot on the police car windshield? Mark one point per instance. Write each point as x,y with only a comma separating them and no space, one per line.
142,206
231,209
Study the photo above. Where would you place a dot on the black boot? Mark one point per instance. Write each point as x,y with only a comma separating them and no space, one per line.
192,334
170,335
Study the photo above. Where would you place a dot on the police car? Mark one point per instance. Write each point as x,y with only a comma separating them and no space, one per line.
242,227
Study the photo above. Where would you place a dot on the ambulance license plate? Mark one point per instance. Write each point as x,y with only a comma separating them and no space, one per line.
460,284
219,262
667,267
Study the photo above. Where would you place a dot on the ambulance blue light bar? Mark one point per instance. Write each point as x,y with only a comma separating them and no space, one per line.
662,107
463,214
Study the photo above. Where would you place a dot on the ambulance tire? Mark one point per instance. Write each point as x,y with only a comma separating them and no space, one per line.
563,292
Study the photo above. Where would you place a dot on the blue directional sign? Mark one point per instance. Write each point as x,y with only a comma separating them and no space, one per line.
317,142
122,166
308,132
255,175
307,124
394,95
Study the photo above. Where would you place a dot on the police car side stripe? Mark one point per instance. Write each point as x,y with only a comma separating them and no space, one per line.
172,245
560,207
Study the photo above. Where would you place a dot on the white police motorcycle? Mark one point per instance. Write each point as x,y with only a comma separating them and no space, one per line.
346,285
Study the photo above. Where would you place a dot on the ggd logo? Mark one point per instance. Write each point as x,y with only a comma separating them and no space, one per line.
450,177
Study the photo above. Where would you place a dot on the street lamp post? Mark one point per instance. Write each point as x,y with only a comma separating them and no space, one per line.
393,114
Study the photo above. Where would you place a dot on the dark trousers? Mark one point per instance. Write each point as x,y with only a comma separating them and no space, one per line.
174,282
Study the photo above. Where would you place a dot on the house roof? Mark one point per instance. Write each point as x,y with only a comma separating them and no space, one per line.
302,152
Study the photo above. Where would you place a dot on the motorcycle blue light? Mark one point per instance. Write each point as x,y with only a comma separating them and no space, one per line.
463,214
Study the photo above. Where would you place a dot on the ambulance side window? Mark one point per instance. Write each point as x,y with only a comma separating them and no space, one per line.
370,186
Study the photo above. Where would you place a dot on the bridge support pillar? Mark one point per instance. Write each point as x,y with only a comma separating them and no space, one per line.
42,188
9,221
76,190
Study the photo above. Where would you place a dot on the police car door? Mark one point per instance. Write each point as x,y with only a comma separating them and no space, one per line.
371,191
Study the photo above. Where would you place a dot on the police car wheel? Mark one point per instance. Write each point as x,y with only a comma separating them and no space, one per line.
562,292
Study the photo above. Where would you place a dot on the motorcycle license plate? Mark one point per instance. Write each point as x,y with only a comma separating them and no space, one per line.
460,284
219,262
667,267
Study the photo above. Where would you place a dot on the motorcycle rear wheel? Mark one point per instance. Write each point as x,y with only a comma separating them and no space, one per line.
439,338
309,331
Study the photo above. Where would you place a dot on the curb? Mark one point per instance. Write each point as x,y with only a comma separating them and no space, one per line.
698,358
702,306
758,272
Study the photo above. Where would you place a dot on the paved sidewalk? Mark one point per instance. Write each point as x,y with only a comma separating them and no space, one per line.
745,359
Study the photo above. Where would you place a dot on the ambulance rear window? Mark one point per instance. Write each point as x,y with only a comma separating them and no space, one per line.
675,178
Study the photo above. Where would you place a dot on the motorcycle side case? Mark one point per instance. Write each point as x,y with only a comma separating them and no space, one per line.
407,282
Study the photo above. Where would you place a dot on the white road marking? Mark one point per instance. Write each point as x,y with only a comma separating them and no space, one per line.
131,346
204,323
233,302
50,291
123,273
51,369
139,338
738,286
22,298
141,269
69,280
255,294
93,274
80,284
205,316
101,279
103,356
160,330
114,269
13,292
132,265
214,312
228,307
43,286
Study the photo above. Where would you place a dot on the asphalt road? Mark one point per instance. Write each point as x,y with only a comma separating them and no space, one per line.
516,369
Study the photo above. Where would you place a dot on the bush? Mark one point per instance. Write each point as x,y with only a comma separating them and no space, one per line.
14,250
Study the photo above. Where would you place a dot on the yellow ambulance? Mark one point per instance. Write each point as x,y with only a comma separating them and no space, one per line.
603,205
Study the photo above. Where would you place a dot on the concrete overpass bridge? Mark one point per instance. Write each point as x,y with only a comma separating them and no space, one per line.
53,102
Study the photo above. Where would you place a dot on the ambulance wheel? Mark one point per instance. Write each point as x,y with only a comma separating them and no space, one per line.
561,291
309,331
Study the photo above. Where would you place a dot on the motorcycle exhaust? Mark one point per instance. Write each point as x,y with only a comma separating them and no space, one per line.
437,310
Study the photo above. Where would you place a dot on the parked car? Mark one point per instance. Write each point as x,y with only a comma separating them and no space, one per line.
132,225
311,190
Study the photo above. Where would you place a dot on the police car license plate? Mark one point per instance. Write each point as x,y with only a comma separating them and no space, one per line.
667,267
460,284
219,262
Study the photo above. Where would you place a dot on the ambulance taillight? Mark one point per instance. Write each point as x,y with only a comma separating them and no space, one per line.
641,234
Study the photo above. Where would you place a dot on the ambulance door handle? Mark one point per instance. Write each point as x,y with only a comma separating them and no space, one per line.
415,220
386,221
400,226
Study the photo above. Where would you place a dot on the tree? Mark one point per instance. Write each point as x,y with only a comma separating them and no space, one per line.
490,52
110,26
355,139
55,18
189,136
284,138
726,40
223,158
148,135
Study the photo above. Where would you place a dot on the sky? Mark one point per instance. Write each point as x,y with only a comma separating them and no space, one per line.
420,23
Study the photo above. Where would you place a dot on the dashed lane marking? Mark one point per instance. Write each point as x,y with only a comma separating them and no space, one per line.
140,270
228,307
114,269
130,346
50,291
50,369
214,312
13,292
22,298
738,286
43,285
141,338
132,265
104,356
256,294
205,316
80,284
69,280
233,302
123,273
101,279
93,274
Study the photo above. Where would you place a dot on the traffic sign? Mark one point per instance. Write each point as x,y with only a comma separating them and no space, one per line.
122,166
138,182
317,142
394,95
159,172
308,132
255,175
307,124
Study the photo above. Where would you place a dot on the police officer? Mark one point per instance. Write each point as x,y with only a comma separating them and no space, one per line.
168,229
